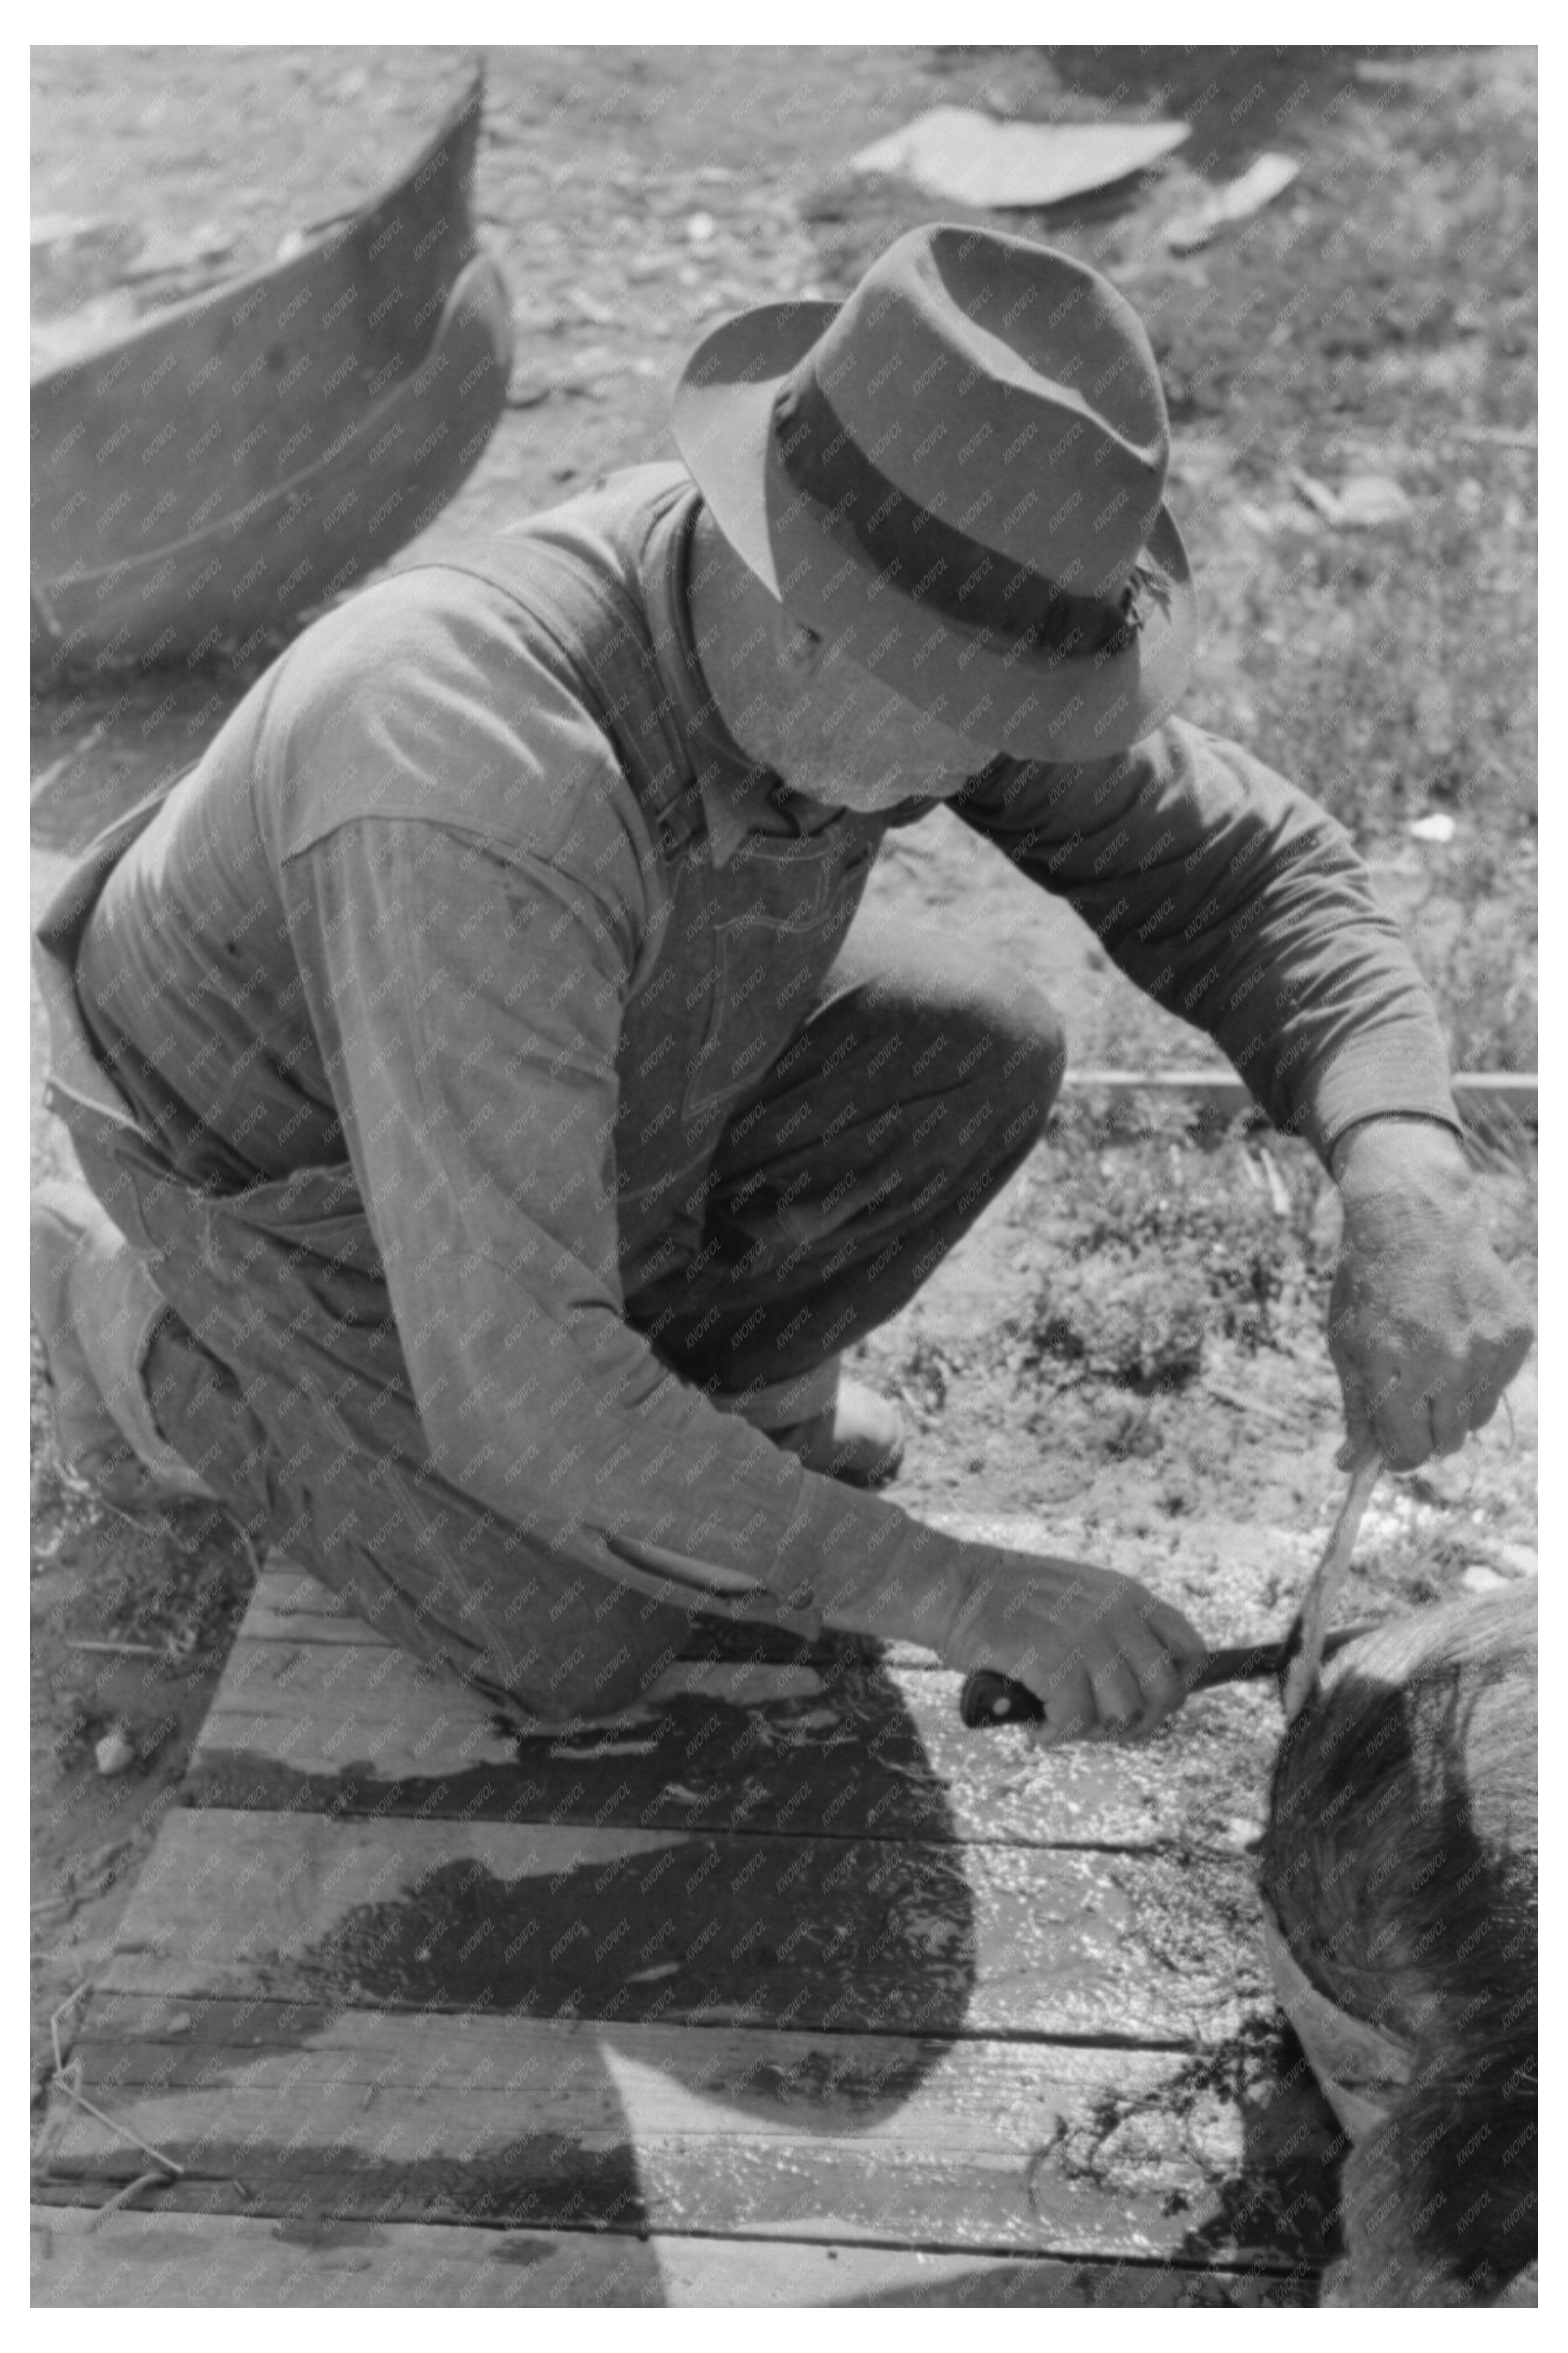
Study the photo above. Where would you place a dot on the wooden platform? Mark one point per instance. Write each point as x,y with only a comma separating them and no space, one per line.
783,1989
1505,1100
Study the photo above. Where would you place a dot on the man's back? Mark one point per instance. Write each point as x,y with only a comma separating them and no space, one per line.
519,704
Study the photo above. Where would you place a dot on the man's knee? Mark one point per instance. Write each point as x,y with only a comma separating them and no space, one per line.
1019,1042
604,1657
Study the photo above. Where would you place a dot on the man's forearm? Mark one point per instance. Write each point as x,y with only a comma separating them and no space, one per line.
640,1477
906,1588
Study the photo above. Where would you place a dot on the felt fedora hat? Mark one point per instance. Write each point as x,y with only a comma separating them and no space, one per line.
958,474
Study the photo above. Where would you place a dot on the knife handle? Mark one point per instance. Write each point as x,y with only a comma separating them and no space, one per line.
990,1698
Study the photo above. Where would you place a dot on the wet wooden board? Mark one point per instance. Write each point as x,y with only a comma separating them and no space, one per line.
547,1920
725,2133
826,1746
732,2132
784,1960
179,2261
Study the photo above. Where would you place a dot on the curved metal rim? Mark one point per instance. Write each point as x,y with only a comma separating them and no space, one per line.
331,238
369,420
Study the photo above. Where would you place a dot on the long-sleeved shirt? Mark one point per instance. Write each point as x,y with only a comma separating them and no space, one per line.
413,907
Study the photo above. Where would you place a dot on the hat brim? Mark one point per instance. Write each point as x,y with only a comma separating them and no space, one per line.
1023,700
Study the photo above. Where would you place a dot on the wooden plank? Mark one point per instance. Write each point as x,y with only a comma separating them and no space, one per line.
1220,1095
554,1920
175,2260
288,1605
1503,1094
843,1747
1039,2147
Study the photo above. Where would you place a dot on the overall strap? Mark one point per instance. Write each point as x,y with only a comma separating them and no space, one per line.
595,628
76,1074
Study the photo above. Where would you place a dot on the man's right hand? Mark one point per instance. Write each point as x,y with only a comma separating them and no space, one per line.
1100,1652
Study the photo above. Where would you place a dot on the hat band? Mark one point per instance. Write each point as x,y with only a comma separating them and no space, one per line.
928,558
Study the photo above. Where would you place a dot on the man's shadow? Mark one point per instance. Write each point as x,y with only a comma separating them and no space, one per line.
850,1957
686,1973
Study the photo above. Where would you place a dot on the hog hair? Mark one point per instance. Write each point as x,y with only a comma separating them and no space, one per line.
1400,1862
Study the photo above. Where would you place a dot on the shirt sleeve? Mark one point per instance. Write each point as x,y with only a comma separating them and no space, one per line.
1239,904
468,1002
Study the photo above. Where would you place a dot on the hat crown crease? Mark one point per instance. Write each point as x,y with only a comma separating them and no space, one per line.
991,371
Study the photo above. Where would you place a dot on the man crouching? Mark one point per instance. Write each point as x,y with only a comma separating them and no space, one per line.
498,1123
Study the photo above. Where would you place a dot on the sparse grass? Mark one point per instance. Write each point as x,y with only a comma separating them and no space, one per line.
1379,318
1164,1256
1164,1312
1152,1256
1474,933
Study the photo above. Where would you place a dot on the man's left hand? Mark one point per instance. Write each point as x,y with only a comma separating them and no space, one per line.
1426,1326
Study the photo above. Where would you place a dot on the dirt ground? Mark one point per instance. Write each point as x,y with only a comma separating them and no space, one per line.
1126,1358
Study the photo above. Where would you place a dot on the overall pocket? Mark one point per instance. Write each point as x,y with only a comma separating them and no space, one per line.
769,961
313,1213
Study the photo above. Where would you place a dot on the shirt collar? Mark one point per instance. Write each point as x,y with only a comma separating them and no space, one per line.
739,797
